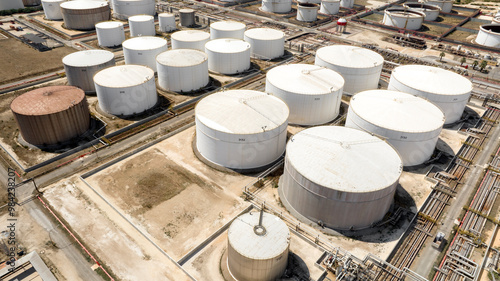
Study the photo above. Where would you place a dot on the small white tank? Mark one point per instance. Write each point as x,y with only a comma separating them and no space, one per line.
330,7
307,12
143,50
125,90
228,56
52,9
310,1
349,4
123,9
431,11
110,33
227,29
495,20
277,6
167,22
182,70
142,25
266,43
190,39
403,18
80,67
489,35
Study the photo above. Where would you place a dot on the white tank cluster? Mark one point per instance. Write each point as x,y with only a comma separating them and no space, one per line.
446,89
348,4
190,39
241,129
110,33
182,70
330,7
11,4
340,177
142,25
258,246
166,22
143,50
228,56
123,9
52,9
410,123
360,67
307,12
227,29
313,93
125,90
265,43
431,11
80,67
489,35
84,15
186,17
445,5
403,18
277,6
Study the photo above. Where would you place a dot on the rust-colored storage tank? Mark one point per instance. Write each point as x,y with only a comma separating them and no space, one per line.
51,115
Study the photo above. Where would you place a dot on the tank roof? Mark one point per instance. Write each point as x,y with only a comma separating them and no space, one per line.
141,18
227,45
166,15
265,33
47,100
306,79
121,76
246,242
344,159
350,56
432,79
242,112
397,111
228,25
144,43
88,58
190,35
181,57
108,24
83,5
186,11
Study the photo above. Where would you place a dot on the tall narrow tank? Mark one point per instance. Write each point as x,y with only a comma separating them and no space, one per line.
123,9
190,39
227,29
28,3
307,12
228,56
410,123
110,33
431,11
167,22
186,17
266,43
330,7
52,9
11,4
258,246
489,35
241,129
81,67
360,67
313,93
445,5
446,89
84,15
143,50
142,25
277,6
342,177
126,90
348,4
51,115
182,70
403,18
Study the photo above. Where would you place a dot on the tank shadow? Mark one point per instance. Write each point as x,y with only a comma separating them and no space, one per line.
296,268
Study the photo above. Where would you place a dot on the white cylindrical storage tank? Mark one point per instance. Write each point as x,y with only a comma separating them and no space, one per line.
409,123
83,15
227,29
241,129
228,56
489,35
307,12
143,50
446,89
81,67
343,177
431,11
11,4
257,247
190,39
330,7
349,4
123,9
142,25
277,6
495,20
445,5
52,9
110,33
167,22
266,43
313,93
360,67
403,18
182,70
126,89
186,17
